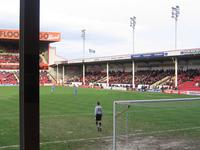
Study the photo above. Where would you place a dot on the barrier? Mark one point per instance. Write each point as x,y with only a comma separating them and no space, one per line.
195,93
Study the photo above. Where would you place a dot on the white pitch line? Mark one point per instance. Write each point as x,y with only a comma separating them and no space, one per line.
9,146
104,137
76,140
61,141
42,116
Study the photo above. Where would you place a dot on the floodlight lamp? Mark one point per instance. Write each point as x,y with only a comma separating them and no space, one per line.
173,14
178,12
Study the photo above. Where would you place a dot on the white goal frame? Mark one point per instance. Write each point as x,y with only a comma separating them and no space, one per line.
128,102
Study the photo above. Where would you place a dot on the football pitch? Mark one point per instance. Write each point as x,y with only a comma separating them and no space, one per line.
67,121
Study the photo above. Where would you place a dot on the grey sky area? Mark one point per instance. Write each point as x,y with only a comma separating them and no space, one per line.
107,24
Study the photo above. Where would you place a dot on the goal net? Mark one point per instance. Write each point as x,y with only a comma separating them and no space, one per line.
156,124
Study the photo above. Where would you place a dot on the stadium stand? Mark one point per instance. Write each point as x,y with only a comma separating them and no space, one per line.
163,78
74,79
189,80
12,77
120,77
7,78
147,77
44,77
92,77
10,61
9,58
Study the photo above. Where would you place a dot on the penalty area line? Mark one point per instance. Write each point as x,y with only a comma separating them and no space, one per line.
61,141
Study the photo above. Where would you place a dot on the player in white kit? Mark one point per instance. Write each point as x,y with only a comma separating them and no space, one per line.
98,115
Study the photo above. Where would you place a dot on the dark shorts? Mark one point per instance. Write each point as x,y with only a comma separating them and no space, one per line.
98,117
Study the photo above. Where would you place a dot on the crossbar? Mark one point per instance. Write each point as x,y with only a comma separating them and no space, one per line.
125,102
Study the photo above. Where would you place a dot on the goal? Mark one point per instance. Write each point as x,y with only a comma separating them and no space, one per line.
156,123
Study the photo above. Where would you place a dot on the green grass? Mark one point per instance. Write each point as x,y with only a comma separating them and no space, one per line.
66,117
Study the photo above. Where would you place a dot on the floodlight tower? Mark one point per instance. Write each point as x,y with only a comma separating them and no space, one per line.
175,15
83,36
132,24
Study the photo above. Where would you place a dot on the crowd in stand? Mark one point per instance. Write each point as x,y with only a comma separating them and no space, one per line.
7,58
188,75
149,77
169,84
74,79
145,77
44,77
120,77
11,51
10,58
92,77
7,78
197,81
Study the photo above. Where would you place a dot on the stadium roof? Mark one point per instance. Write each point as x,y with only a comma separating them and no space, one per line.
11,35
182,53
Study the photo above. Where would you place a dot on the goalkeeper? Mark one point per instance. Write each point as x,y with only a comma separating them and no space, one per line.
98,115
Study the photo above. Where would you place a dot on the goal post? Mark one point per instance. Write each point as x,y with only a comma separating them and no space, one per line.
128,107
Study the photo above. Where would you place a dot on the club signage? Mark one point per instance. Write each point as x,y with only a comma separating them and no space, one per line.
190,52
44,36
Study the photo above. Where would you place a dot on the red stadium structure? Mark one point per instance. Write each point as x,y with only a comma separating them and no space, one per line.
9,56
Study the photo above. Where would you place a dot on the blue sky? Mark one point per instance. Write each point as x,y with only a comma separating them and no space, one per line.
107,24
